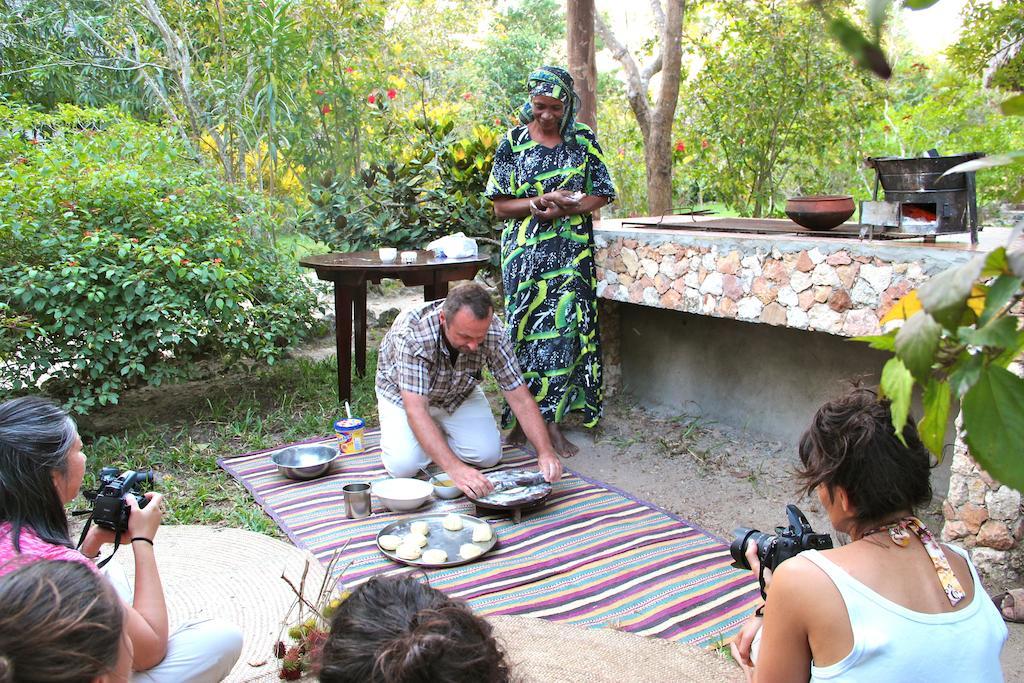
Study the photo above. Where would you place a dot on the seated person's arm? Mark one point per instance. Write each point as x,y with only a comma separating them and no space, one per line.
785,653
146,618
433,441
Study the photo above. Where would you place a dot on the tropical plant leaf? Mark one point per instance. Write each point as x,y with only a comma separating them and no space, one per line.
965,372
865,53
932,427
986,162
994,429
999,294
916,343
897,385
1000,333
976,301
882,342
905,307
1006,357
945,295
995,263
1013,106
919,4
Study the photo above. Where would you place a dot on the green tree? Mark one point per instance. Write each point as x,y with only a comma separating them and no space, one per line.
772,98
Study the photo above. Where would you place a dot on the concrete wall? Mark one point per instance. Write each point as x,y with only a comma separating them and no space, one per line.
764,379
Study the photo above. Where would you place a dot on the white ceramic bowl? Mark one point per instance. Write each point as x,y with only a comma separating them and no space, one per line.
402,495
387,254
446,492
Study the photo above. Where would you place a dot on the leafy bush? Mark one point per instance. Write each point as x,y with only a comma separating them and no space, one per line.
407,203
124,262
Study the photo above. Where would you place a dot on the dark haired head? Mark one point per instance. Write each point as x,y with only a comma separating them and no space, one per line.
851,443
35,438
471,296
399,630
59,622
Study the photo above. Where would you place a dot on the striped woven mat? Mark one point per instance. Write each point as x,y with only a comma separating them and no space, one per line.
592,556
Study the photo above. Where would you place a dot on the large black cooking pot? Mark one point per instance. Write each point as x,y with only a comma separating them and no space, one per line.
918,174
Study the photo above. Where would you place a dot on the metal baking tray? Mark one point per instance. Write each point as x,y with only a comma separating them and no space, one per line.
439,537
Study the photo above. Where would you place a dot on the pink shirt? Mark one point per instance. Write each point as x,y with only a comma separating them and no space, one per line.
33,549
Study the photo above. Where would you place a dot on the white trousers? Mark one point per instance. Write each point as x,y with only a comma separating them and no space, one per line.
471,431
198,651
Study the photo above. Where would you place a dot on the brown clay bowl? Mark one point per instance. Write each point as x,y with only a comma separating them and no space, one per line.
820,212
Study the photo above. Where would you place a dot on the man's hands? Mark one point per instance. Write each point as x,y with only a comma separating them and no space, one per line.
550,466
471,481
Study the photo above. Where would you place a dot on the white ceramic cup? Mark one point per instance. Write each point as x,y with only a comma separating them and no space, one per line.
387,254
409,257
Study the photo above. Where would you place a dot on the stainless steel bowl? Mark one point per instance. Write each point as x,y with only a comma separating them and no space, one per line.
305,462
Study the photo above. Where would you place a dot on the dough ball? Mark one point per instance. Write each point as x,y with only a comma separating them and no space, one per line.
389,542
408,551
418,540
421,528
452,522
468,551
435,556
482,533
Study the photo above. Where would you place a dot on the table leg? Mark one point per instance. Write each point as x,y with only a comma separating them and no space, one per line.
359,312
436,290
343,337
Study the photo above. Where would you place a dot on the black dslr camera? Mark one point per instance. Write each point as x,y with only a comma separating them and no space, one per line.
787,542
109,510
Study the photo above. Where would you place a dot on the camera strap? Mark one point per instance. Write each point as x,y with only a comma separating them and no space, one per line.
760,579
85,530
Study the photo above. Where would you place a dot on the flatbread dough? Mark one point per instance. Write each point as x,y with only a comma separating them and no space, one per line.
482,533
389,542
452,522
435,556
408,551
468,551
418,540
421,528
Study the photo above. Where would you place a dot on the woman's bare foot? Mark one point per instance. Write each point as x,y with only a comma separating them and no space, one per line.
516,436
562,445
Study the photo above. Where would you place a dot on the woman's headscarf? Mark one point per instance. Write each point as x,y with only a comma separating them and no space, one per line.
553,81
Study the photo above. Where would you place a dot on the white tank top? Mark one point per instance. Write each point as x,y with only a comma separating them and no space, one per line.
893,643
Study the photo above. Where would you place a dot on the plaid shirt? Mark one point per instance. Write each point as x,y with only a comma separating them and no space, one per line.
413,357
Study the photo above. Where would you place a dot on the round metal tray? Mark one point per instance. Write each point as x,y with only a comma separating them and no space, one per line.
439,537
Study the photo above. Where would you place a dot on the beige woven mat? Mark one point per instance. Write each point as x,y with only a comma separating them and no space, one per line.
548,652
236,575
233,575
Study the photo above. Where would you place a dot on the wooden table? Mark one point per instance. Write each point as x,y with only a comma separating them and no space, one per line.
351,271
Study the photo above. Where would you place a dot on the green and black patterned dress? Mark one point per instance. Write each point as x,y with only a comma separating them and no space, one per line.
548,272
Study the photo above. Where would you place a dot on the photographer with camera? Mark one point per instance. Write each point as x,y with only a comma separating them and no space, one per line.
892,604
41,470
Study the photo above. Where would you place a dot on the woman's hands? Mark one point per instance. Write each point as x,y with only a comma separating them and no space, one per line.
555,204
145,521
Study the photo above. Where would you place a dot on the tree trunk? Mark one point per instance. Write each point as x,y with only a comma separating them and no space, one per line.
582,64
655,121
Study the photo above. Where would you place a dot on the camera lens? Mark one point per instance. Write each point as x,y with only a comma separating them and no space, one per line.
738,547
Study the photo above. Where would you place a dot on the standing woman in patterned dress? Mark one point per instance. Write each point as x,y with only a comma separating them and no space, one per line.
548,176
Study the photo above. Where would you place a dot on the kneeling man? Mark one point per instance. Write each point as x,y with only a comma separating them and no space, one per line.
428,395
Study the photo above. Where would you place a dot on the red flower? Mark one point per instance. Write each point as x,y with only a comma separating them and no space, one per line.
319,91
392,93
680,146
497,121
467,96
703,144
33,141
349,69
21,160
87,233
185,262
134,240
372,99
72,263
326,109
219,260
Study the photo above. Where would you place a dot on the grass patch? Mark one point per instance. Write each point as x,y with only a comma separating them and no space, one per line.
294,400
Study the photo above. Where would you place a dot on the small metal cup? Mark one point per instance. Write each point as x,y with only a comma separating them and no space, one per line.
357,500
